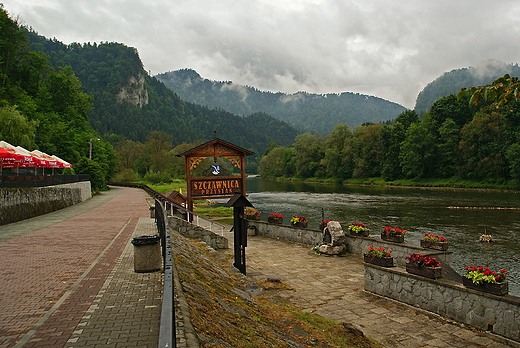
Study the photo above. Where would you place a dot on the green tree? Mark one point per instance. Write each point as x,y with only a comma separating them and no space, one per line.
447,149
308,155
271,164
513,158
332,161
15,129
391,138
406,118
158,146
417,152
95,172
502,91
365,151
483,145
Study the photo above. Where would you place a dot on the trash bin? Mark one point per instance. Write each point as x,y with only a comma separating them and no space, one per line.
147,253
152,212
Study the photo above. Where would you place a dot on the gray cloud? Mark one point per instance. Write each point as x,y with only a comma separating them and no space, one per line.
387,49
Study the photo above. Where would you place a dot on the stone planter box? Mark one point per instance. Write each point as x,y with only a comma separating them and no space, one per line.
364,233
498,289
379,261
396,238
253,217
443,246
300,224
275,220
428,272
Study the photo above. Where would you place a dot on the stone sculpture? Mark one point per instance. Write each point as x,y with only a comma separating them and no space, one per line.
333,239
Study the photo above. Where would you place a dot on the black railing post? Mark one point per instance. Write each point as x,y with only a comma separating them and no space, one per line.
167,337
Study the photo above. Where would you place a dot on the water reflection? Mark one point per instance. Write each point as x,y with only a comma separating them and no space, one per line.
416,210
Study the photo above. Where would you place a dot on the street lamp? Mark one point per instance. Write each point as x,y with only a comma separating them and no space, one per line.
90,148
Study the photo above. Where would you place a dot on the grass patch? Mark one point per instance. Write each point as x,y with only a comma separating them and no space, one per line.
223,317
176,185
210,211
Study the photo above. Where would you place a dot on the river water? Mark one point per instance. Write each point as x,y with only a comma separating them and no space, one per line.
460,216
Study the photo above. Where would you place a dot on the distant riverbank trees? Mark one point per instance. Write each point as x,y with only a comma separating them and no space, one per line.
454,139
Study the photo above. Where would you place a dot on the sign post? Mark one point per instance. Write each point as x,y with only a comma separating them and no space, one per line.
216,182
239,202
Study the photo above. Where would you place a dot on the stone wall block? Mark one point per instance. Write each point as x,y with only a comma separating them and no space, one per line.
21,204
448,298
192,231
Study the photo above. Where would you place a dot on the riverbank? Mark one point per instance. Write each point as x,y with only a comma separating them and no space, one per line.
452,184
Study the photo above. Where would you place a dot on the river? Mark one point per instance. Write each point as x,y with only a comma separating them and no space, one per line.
460,216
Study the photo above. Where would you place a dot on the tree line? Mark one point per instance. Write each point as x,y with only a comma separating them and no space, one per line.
455,138
45,108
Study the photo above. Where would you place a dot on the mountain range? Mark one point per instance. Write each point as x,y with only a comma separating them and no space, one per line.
307,112
451,82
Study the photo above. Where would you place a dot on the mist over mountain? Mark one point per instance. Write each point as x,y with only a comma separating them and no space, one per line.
305,111
451,82
129,103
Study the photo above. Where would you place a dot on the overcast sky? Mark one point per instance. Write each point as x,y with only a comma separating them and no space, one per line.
389,49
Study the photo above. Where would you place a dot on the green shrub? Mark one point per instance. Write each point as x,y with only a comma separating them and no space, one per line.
93,169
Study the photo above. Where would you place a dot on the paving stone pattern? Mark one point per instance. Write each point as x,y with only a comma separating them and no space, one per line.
39,269
127,309
333,288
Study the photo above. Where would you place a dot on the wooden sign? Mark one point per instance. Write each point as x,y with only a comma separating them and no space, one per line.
216,181
217,186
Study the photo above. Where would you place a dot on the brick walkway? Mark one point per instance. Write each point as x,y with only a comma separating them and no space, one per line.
51,276
126,311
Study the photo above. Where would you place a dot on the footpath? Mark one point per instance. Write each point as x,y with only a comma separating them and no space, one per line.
67,279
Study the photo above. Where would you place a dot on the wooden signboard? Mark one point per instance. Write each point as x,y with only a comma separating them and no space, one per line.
214,183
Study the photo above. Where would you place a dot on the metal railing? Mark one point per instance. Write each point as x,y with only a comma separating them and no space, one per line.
167,337
172,207
40,180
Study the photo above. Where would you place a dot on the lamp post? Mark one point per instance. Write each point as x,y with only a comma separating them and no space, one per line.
90,148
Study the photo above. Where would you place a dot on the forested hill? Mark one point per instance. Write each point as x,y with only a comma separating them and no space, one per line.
306,111
451,82
130,103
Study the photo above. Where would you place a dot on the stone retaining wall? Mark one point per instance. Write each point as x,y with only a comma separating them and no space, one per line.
25,203
187,229
355,245
450,299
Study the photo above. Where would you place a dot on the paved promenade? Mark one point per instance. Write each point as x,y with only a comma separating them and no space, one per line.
67,277
333,288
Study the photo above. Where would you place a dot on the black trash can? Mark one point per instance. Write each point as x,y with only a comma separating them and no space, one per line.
152,212
147,253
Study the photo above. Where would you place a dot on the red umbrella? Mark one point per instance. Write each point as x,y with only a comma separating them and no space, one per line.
29,160
9,158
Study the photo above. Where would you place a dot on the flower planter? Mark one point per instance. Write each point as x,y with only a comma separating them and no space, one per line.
443,246
379,261
498,289
427,272
364,233
275,220
322,227
300,224
252,217
396,238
